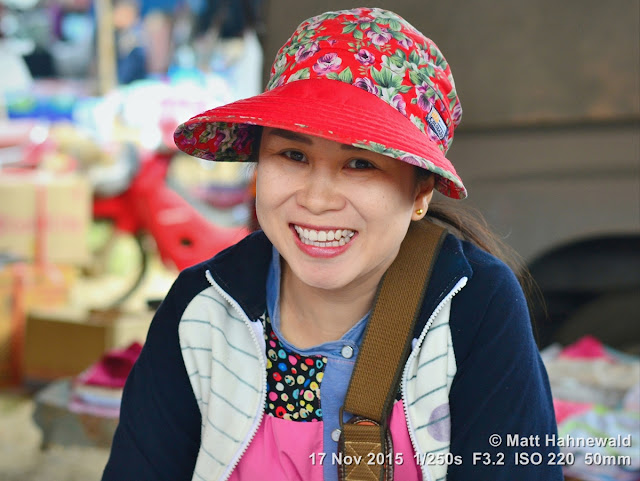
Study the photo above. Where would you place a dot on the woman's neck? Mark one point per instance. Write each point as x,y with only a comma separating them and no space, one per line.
310,316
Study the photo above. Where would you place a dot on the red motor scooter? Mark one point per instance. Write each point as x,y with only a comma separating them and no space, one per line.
137,198
134,196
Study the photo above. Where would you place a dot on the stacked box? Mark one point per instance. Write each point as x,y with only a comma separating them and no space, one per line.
24,287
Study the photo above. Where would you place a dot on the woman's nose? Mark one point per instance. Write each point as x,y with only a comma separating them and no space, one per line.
320,192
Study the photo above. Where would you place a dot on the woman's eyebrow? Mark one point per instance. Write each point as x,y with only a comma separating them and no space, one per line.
350,147
287,134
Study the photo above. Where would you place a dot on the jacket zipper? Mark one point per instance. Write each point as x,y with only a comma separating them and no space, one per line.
263,394
457,288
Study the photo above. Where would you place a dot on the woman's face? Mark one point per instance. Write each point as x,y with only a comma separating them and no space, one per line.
337,214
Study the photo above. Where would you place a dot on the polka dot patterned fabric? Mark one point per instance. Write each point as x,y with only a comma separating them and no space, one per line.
293,381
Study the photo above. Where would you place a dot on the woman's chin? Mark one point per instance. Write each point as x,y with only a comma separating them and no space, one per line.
326,280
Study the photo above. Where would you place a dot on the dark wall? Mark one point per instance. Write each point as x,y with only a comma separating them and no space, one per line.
516,62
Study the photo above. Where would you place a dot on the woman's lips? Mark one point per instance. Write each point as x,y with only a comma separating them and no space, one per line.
336,241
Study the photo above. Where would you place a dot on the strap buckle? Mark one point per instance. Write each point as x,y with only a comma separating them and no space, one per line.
367,455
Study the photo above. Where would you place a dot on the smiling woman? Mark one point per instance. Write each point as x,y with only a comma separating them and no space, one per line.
308,189
246,370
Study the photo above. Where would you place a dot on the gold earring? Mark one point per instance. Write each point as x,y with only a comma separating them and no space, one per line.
420,212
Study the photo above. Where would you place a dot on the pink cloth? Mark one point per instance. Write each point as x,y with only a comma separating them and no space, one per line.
78,406
587,347
283,449
567,409
113,368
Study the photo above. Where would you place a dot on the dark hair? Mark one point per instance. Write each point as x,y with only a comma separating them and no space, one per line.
468,223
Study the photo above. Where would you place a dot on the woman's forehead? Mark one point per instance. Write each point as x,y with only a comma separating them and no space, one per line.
271,132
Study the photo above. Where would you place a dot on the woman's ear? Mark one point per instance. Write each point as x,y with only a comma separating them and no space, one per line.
424,193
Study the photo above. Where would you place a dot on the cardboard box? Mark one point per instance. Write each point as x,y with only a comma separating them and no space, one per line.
64,342
45,218
7,374
24,287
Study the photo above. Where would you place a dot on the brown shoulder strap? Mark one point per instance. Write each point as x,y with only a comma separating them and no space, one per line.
385,348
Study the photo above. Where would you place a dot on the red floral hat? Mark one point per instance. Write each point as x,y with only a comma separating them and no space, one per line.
363,77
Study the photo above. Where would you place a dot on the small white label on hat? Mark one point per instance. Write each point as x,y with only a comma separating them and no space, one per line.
437,124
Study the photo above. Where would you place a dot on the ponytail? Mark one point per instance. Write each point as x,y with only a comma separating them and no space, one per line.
469,224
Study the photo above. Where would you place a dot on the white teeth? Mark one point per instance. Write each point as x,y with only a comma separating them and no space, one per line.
324,238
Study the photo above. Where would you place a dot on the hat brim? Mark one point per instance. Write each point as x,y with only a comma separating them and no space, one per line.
324,108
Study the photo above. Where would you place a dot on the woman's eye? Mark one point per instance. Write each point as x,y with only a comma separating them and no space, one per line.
360,164
294,155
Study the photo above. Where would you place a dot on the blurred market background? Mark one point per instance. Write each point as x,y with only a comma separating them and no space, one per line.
98,212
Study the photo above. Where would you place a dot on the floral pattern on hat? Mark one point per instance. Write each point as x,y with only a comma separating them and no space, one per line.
444,180
385,55
374,50
231,142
